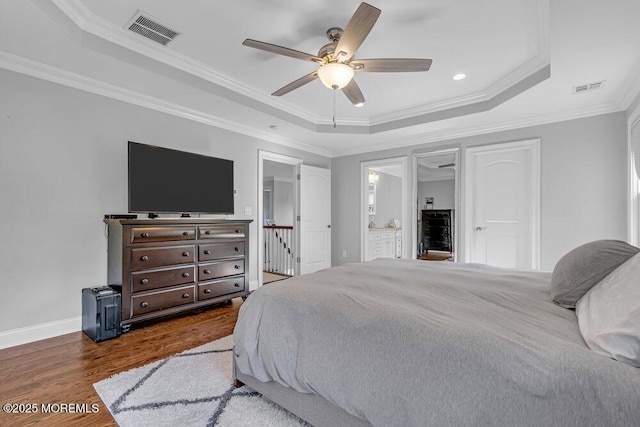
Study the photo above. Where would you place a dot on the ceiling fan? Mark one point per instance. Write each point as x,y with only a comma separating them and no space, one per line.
336,60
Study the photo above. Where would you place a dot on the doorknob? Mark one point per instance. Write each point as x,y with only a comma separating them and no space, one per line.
329,226
481,228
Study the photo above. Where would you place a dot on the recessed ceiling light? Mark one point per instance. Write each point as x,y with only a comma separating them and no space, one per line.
359,104
459,76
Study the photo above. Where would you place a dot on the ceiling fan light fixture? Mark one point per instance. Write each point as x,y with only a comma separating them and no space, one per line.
359,104
335,75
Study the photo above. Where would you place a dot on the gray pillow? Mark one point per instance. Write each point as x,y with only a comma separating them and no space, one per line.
585,266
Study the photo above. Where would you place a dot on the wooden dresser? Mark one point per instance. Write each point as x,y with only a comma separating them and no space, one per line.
166,266
437,230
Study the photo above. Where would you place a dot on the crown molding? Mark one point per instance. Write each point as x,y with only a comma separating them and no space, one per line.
631,90
434,179
104,29
67,78
430,137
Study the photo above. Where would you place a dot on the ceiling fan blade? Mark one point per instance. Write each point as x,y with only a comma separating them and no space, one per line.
296,84
357,30
280,50
353,92
387,65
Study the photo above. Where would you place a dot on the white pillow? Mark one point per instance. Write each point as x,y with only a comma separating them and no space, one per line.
609,314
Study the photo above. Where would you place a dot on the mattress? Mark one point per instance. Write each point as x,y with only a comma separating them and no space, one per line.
414,343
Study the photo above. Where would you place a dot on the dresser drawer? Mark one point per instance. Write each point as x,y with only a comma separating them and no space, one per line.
143,258
161,234
220,250
153,279
221,232
220,269
220,287
162,299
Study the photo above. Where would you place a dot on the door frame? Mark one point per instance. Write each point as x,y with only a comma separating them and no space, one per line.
633,180
364,190
457,253
296,162
469,196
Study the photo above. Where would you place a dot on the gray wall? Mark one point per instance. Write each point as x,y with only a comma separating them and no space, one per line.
443,193
583,184
388,199
63,166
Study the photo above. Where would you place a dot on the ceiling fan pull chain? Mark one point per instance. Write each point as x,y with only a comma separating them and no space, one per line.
334,108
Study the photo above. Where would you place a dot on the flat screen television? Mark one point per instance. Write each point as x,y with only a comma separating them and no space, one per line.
162,180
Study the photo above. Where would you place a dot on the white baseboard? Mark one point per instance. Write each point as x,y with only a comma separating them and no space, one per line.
43,331
39,332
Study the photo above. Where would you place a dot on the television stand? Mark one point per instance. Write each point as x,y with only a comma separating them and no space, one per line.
168,266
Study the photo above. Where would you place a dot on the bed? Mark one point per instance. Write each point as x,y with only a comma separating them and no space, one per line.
414,343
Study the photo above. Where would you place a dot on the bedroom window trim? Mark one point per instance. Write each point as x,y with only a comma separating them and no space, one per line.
633,150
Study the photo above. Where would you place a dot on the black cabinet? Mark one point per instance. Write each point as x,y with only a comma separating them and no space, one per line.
437,230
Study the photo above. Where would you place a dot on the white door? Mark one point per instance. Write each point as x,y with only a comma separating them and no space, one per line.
315,219
503,204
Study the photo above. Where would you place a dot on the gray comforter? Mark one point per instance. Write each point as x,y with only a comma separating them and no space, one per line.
415,343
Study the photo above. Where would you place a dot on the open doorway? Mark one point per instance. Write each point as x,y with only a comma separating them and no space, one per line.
278,218
278,206
435,205
384,209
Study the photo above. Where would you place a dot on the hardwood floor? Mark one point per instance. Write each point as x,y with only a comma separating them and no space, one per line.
63,369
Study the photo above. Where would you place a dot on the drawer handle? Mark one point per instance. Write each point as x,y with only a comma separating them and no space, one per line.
238,231
186,233
237,285
185,253
237,267
144,235
144,304
207,291
185,274
237,249
207,272
185,295
208,232
144,281
144,258
207,252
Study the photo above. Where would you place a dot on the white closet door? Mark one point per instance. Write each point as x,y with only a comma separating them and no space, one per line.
503,200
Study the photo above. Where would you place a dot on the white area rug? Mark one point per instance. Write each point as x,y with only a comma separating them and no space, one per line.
193,388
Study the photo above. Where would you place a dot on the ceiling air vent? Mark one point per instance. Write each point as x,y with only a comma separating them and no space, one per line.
588,87
152,28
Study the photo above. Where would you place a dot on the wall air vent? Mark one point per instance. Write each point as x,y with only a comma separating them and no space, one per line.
587,87
151,28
